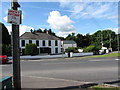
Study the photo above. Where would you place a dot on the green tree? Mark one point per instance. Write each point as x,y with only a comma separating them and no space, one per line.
80,40
31,49
72,49
39,30
6,38
6,50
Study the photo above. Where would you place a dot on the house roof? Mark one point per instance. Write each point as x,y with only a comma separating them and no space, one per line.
38,36
69,42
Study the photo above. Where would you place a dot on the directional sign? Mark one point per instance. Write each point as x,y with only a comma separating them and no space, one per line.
14,16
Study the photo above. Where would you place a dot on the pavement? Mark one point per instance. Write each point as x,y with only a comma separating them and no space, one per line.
45,56
49,83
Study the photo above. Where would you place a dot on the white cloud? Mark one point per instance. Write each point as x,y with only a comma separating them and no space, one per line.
101,10
91,9
5,19
22,30
116,30
60,23
63,34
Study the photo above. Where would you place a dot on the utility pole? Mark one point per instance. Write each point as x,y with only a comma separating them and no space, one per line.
16,51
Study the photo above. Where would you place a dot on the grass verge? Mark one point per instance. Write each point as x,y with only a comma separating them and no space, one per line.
105,55
104,87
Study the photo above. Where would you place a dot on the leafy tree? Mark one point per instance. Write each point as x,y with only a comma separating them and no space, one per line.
6,50
72,49
31,49
39,30
80,40
6,38
45,30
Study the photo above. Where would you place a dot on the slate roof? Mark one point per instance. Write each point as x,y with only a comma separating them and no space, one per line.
69,42
38,36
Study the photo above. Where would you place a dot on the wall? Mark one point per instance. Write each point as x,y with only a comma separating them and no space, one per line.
46,45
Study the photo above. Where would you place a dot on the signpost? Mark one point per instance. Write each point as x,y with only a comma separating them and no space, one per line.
14,17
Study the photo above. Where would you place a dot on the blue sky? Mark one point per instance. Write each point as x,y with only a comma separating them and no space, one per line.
66,17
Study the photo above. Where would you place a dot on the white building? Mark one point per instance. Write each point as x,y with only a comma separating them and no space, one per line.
45,42
69,43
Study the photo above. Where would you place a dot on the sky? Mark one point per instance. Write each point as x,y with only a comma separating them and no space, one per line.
65,17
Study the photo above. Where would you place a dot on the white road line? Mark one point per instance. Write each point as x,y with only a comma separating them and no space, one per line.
94,60
3,65
39,60
117,59
57,79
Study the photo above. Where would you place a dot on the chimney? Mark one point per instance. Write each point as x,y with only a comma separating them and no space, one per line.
47,32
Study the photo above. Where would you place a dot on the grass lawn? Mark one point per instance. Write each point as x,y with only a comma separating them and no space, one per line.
104,87
106,55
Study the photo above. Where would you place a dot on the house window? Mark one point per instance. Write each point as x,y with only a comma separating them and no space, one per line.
30,41
56,50
23,42
37,42
56,43
49,43
43,43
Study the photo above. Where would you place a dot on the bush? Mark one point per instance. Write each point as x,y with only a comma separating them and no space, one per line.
6,50
31,49
89,48
93,48
72,49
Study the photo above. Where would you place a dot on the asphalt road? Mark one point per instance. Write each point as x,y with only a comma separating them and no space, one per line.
76,69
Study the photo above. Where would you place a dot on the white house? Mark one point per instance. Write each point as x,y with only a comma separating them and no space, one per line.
45,42
69,43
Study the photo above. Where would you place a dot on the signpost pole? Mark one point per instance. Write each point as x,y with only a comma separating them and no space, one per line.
16,52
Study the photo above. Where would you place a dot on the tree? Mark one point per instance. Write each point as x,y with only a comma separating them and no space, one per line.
6,38
39,30
31,49
6,50
80,40
45,30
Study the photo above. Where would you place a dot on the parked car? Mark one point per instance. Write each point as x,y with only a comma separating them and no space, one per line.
4,59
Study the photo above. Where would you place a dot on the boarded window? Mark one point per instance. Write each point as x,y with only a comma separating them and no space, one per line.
30,41
56,50
49,43
56,43
23,43
37,42
43,43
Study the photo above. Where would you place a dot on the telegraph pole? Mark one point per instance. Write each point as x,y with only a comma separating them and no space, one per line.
16,51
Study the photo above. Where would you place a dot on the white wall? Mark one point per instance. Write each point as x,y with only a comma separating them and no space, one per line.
46,45
69,45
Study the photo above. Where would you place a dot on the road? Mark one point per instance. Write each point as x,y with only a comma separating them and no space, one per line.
75,69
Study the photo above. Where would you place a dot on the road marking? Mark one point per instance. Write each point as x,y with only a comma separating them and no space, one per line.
58,79
3,65
117,59
94,60
40,60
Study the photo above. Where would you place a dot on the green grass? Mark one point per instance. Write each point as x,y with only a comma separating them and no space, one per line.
103,87
105,55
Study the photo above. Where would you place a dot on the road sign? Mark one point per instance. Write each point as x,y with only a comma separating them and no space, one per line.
14,16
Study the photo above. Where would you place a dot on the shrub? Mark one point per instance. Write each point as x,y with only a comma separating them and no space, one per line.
89,48
72,49
92,48
31,49
6,50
